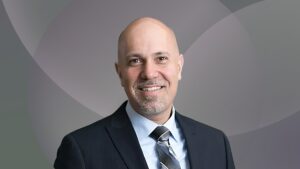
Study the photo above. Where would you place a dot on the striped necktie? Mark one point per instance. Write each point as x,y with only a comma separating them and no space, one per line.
165,152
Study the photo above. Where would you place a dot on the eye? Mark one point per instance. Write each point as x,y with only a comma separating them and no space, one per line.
134,61
162,59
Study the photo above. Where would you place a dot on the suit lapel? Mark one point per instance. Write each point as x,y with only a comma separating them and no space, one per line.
125,140
193,142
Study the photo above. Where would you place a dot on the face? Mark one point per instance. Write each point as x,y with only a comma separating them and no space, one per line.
149,67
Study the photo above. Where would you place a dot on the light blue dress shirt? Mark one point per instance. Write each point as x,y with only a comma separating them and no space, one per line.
143,127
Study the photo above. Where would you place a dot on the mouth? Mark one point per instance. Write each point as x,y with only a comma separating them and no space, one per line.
150,88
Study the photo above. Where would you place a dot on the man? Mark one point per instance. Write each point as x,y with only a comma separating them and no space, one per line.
149,67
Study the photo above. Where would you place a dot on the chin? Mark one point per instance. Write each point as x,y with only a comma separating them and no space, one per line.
152,108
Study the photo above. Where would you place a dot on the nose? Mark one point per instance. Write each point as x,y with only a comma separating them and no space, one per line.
149,71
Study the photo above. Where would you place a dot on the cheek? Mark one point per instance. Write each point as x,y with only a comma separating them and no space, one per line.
171,74
129,77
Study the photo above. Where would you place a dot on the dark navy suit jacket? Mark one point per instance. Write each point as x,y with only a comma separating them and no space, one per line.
111,143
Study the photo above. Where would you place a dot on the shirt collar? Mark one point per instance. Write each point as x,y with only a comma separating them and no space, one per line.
143,126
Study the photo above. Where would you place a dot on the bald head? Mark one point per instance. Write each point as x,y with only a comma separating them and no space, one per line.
142,27
149,67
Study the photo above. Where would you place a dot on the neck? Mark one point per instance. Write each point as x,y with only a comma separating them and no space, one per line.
159,118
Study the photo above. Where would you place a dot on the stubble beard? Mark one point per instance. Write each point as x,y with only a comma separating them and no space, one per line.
150,105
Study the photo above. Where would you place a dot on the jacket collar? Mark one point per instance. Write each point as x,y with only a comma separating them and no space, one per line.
125,139
192,141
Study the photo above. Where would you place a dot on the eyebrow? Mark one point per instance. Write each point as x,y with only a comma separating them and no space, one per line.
133,55
139,55
161,53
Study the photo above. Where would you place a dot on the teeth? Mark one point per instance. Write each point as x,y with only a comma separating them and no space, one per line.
151,89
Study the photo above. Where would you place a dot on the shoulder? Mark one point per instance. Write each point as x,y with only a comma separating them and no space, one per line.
205,142
187,123
98,129
90,131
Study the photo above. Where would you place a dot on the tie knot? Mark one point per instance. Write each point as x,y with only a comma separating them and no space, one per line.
160,133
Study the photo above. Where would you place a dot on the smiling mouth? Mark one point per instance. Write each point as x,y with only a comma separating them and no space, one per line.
150,89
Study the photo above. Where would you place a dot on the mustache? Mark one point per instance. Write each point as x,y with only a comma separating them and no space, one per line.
151,82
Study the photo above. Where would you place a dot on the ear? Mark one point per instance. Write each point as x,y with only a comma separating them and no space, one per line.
118,71
180,66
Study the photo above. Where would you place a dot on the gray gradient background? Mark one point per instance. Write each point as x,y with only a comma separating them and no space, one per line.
241,73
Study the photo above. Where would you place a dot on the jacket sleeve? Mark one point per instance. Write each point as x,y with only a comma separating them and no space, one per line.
69,155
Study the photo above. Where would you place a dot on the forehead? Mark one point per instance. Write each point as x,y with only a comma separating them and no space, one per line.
148,36
147,39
